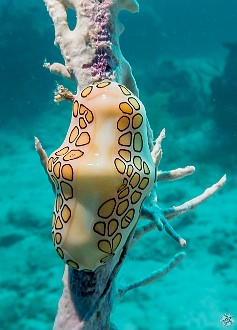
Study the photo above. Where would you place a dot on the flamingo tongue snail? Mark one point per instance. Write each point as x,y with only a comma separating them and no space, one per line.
102,173
106,166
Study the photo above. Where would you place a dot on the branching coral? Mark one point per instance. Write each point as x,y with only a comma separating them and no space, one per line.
93,57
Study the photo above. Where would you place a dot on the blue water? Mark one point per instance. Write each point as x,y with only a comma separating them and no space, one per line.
184,58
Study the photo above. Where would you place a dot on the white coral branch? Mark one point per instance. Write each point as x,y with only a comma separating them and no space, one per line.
154,275
43,158
42,154
58,69
156,153
174,211
176,174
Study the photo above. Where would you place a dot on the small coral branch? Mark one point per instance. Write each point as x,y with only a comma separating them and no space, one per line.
59,69
43,159
156,152
63,93
156,275
42,154
174,211
156,214
176,174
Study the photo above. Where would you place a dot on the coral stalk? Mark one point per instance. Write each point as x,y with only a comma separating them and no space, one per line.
91,50
91,53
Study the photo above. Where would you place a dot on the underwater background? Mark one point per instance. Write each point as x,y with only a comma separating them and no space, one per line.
184,58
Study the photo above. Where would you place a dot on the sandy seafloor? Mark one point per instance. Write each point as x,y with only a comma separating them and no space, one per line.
204,285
